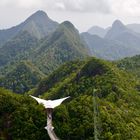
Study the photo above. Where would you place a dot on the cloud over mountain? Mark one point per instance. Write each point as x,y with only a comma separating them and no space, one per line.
66,5
99,6
104,11
83,6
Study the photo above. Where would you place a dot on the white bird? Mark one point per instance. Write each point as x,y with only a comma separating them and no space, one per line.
50,103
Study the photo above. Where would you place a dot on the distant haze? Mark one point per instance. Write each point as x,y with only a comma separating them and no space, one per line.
82,13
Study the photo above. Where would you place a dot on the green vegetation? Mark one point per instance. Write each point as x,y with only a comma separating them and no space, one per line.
105,97
62,46
111,111
104,104
22,78
17,48
21,118
131,65
57,76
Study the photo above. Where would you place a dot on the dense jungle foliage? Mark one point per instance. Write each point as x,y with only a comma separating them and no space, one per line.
104,101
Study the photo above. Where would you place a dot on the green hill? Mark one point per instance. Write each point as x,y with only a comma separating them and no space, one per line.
17,48
22,78
61,46
104,102
131,65
21,118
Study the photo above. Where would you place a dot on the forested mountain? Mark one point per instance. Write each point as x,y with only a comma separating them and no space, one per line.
130,64
24,37
58,44
121,33
38,25
17,48
22,78
102,98
117,28
61,46
101,32
105,48
119,42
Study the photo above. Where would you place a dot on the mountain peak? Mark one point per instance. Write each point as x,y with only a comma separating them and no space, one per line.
117,28
39,24
68,24
38,15
118,24
40,12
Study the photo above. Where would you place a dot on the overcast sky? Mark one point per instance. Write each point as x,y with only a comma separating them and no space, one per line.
82,13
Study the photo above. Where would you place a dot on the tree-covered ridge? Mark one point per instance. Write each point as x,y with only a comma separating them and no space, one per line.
58,76
131,65
22,78
21,118
98,69
18,48
61,46
47,54
104,101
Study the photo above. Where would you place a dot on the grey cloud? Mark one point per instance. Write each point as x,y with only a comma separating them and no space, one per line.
99,6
